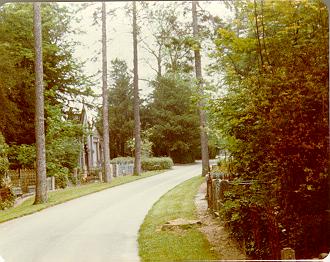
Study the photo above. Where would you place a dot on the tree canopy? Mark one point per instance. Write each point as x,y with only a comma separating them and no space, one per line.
63,76
175,128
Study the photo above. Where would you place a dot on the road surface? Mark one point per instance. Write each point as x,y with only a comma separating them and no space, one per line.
99,227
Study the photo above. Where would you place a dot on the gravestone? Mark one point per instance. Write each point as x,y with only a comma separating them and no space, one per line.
100,176
75,175
17,191
50,183
31,189
288,254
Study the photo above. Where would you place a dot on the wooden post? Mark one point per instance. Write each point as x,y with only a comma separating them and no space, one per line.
288,254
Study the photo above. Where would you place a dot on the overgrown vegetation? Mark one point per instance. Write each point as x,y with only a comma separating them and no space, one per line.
7,197
191,244
274,121
63,82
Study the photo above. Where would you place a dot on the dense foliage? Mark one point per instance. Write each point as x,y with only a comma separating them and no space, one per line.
274,122
62,74
174,121
63,81
120,109
7,198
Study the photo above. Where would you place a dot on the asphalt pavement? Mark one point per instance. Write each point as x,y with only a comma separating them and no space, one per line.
99,227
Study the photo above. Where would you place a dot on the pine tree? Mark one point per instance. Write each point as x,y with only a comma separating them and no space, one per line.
106,142
202,116
137,127
41,187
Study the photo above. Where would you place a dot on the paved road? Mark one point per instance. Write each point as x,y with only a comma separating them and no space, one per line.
98,227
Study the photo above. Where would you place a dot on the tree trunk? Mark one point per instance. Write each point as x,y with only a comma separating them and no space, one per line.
106,139
202,115
137,128
41,186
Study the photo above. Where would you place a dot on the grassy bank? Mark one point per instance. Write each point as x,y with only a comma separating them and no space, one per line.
191,244
60,196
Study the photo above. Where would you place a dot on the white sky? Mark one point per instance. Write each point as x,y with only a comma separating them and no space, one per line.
120,42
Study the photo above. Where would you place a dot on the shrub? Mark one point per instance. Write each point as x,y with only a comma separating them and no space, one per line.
7,199
62,178
156,163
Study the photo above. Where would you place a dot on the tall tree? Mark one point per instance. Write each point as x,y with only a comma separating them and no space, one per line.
121,117
106,142
202,115
167,38
174,119
137,124
41,187
63,78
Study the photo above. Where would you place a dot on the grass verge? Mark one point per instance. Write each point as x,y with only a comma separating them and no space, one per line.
156,245
63,195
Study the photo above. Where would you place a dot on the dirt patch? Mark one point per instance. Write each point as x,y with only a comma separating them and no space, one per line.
181,223
179,226
213,228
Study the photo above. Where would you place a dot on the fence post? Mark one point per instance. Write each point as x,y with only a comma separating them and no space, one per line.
224,186
288,254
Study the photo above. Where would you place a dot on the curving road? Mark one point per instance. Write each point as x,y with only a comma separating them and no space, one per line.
99,227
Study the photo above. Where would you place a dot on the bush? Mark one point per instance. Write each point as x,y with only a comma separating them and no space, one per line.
7,198
61,179
156,163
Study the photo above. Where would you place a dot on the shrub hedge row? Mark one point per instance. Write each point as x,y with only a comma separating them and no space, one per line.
147,164
156,163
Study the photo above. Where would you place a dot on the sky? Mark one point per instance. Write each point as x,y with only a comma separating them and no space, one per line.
120,43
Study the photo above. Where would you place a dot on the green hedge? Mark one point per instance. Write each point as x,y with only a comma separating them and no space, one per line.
156,163
147,164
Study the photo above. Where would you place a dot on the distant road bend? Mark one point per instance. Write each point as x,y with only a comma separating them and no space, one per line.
99,227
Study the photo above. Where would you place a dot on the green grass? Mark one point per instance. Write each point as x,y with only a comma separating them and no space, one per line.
61,196
156,245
